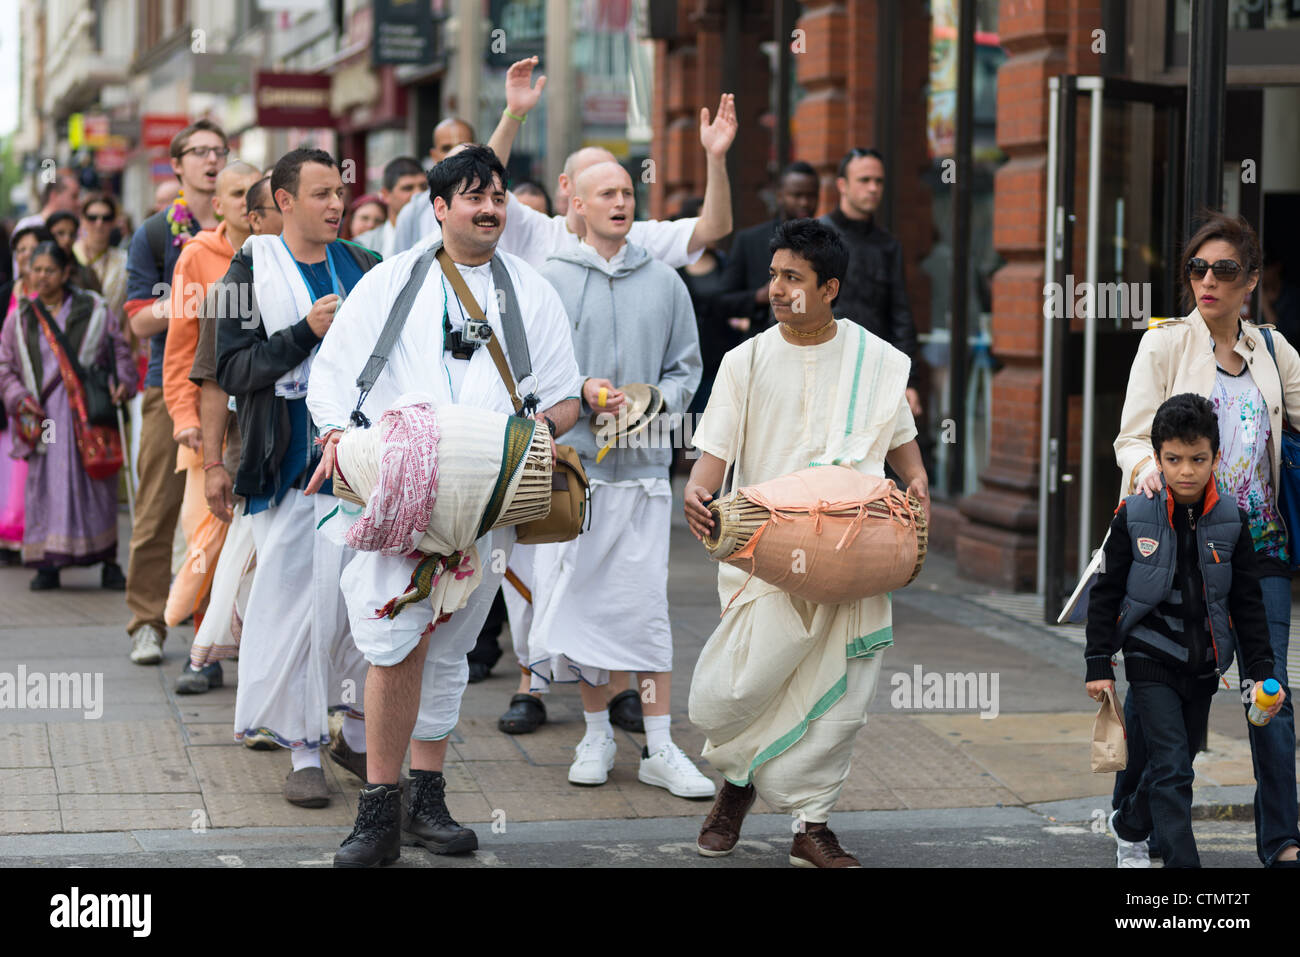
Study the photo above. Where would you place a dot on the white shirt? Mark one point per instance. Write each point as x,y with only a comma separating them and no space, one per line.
381,239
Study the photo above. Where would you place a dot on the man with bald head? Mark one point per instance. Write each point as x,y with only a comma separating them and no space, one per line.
449,134
601,600
202,261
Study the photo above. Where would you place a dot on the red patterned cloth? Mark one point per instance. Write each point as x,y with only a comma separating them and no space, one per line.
397,513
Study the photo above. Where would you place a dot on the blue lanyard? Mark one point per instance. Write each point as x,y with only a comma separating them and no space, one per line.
329,264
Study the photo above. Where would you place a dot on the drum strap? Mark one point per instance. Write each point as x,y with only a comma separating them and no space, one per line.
388,337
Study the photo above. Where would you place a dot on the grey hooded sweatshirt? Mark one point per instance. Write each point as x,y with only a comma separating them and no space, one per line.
632,321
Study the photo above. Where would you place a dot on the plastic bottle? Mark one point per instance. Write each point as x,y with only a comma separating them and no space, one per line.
1266,693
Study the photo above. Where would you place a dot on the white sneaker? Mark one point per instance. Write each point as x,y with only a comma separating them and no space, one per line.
593,758
146,645
1128,853
670,768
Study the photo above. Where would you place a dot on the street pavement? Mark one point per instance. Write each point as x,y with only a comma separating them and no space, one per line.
157,779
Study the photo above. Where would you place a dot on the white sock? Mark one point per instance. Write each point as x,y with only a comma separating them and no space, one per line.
656,731
354,734
598,724
304,758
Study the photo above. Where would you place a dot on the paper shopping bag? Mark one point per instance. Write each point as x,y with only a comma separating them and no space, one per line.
1109,740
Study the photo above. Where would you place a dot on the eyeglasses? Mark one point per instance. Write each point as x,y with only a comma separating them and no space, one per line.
105,218
1225,270
203,152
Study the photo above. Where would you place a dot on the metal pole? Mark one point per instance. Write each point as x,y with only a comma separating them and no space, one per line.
1049,333
1090,321
1207,65
959,297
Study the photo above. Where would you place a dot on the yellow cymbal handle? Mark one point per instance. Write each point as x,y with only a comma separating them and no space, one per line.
601,396
601,454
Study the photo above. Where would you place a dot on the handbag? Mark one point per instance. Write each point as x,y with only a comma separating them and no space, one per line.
570,488
1109,739
1288,476
100,446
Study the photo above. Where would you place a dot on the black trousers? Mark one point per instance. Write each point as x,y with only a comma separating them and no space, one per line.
486,651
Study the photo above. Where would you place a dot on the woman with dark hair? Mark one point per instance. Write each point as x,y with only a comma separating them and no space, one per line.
13,468
367,213
48,343
96,251
63,227
534,194
1212,353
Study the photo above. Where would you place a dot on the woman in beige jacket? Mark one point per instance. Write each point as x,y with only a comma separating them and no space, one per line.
1213,353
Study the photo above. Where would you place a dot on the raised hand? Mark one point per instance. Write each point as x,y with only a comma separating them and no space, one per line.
716,137
521,95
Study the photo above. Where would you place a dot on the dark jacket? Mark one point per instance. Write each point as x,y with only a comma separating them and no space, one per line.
249,363
745,272
873,293
1179,591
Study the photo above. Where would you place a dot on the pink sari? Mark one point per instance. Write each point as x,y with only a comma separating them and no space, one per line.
13,476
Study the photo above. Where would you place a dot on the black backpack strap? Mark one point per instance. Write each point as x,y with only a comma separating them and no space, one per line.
512,327
392,329
159,235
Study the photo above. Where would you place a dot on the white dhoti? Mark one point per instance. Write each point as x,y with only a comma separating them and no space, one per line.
807,777
371,579
294,662
218,635
773,669
601,600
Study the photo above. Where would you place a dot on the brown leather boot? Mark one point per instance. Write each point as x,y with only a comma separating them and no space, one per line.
818,846
721,828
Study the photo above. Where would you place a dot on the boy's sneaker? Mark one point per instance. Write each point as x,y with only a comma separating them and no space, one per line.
593,759
1128,853
146,645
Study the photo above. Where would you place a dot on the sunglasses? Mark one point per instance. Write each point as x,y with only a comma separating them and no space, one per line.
1225,270
98,219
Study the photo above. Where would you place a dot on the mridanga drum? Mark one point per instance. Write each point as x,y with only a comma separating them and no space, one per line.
493,470
826,534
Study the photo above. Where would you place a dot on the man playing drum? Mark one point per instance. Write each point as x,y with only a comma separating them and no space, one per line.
783,684
418,670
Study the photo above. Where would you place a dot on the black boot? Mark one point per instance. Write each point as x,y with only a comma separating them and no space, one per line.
376,837
111,577
426,820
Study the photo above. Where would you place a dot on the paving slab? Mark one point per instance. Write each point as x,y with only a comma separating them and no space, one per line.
123,812
24,746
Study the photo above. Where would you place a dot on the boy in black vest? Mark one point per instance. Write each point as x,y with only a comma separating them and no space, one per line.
1179,587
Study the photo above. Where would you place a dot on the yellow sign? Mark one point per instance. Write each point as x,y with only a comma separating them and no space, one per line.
76,136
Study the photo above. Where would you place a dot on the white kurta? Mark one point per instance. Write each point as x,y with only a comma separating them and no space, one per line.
534,237
776,663
601,600
418,363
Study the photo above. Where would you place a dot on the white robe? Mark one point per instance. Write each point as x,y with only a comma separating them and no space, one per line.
601,600
417,363
775,664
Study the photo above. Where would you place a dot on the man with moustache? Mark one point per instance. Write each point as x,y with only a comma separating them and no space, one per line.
418,670
278,299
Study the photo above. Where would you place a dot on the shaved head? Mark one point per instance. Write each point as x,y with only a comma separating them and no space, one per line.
449,134
580,160
605,173
238,169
